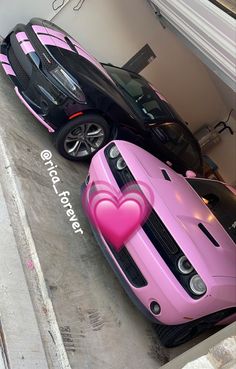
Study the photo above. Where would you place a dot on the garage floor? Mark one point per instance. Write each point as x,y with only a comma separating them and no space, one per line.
100,326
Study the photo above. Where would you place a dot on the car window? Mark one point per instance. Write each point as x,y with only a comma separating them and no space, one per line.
141,95
220,200
180,142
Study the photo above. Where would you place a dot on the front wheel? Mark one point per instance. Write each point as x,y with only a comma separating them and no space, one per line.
83,137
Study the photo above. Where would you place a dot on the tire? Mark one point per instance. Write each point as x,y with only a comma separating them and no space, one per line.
175,335
81,138
172,336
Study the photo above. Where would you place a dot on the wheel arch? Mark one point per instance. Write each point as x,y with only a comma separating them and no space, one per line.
112,123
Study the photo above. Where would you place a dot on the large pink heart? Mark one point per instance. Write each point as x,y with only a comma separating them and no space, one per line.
118,220
117,214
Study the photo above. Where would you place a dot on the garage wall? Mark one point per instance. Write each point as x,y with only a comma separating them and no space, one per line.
224,154
115,30
15,11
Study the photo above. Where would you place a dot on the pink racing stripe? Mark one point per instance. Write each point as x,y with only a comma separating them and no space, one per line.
39,29
50,129
27,47
51,32
4,58
81,51
21,36
55,33
8,69
90,58
50,40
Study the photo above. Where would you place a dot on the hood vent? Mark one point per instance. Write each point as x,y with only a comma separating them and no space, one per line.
207,233
165,175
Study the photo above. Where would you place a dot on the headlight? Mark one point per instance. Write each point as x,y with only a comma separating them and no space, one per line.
184,265
66,81
114,152
120,164
197,285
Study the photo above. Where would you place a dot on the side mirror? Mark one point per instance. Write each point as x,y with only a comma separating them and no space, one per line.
190,174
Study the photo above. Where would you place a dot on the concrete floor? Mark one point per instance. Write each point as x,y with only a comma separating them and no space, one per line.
100,326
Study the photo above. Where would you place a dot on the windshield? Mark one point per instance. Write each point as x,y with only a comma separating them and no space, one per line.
180,142
143,98
220,200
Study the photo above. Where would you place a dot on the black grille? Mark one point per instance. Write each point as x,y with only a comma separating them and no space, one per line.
125,260
21,75
155,230
159,235
129,267
154,227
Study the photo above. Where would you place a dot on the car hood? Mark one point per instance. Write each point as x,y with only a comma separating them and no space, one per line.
51,35
85,68
194,227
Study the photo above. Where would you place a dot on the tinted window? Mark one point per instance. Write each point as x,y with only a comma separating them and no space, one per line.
177,139
220,200
143,98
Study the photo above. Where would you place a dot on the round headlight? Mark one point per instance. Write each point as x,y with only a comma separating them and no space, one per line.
197,285
184,265
120,164
114,152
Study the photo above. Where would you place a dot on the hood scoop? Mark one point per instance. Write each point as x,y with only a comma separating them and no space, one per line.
208,234
165,175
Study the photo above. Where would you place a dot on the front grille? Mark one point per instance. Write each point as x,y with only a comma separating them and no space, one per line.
155,230
21,75
124,259
129,267
159,235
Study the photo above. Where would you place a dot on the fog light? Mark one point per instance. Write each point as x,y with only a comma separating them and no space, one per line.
120,164
114,152
197,285
184,265
155,308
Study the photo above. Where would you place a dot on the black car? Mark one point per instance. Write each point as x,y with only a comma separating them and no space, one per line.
86,103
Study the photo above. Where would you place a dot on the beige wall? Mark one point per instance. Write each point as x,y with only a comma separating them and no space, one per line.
114,31
225,153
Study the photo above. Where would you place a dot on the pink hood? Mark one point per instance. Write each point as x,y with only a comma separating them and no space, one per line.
181,209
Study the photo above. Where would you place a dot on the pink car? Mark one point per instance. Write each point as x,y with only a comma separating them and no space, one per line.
179,267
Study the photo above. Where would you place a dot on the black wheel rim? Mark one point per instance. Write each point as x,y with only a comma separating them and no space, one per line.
84,139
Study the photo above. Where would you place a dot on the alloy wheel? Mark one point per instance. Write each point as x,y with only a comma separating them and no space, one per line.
84,139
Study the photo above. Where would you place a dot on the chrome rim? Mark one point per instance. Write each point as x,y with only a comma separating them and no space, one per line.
84,139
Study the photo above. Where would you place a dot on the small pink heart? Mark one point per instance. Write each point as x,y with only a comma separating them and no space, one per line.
118,219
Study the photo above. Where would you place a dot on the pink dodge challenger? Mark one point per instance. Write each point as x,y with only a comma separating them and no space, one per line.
179,267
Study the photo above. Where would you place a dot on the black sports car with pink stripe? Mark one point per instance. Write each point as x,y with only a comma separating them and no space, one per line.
86,103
